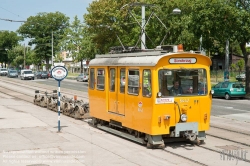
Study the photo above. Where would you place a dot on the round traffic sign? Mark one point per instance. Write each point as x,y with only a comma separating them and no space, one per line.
59,73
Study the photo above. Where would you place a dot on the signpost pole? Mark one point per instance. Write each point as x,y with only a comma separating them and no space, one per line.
59,72
58,104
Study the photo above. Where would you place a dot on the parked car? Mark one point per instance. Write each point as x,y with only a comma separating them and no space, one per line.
82,77
12,74
27,74
241,77
42,75
229,90
3,71
49,75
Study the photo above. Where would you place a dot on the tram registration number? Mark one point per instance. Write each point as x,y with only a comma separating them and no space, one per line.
164,100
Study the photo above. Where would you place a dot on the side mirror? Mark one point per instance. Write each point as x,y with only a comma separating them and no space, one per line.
212,91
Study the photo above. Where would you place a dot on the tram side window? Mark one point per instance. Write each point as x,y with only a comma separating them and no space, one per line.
146,82
112,80
92,79
100,79
122,80
133,82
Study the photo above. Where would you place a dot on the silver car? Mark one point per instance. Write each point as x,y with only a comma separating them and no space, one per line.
12,74
82,77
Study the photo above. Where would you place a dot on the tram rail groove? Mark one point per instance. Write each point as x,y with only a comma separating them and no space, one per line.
178,155
234,131
204,147
226,139
47,88
194,161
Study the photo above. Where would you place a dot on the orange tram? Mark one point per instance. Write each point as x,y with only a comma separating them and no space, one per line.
153,96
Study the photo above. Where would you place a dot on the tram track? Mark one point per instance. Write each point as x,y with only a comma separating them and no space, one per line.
27,87
234,131
43,88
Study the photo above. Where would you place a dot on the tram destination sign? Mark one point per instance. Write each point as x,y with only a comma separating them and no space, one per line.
59,73
182,60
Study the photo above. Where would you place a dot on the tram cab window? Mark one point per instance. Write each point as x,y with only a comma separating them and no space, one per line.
100,79
133,82
92,79
146,83
182,82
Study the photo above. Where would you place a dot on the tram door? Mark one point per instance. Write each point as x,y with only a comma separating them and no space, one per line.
113,89
117,90
121,90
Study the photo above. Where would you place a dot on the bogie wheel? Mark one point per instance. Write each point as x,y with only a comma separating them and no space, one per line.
200,142
227,96
149,145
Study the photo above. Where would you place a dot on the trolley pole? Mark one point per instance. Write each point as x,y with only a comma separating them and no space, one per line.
59,73
58,104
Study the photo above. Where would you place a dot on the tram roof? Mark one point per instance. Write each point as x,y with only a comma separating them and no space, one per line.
133,59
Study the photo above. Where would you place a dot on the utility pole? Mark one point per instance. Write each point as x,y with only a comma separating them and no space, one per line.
52,45
226,72
24,57
143,37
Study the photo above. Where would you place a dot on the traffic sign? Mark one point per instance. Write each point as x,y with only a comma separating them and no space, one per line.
59,73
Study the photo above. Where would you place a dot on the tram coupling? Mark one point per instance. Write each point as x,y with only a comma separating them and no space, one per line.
189,135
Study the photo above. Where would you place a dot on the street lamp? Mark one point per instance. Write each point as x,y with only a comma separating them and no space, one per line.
176,11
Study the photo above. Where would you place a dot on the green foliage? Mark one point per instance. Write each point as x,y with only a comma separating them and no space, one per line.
233,67
8,40
241,64
40,29
78,42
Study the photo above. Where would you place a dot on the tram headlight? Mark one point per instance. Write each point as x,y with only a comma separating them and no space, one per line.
183,117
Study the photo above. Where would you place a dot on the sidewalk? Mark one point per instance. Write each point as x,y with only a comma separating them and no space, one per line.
29,136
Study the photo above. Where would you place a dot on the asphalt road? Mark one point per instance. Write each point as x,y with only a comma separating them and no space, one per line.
66,83
220,106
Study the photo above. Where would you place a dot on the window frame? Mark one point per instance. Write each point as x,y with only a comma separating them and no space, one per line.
121,87
97,79
128,85
110,80
150,83
92,79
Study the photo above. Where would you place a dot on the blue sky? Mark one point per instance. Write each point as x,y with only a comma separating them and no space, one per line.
20,10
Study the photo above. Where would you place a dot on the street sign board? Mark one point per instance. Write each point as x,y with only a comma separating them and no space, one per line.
59,73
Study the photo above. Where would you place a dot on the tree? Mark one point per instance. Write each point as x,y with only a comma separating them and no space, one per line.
224,20
233,67
8,40
78,42
241,65
41,28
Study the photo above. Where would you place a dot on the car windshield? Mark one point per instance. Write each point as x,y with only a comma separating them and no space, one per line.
182,82
13,71
27,72
44,72
3,69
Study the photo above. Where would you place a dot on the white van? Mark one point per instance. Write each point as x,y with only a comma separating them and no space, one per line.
27,75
